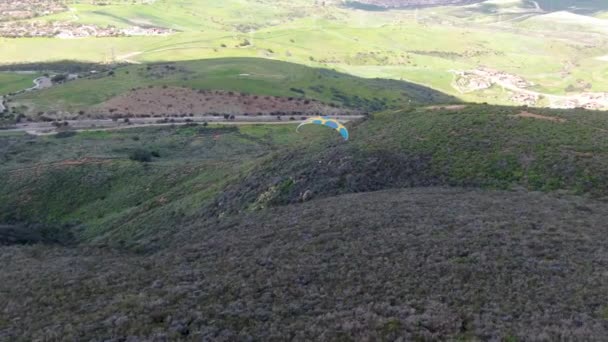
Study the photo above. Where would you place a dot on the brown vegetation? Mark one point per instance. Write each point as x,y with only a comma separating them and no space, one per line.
174,101
525,114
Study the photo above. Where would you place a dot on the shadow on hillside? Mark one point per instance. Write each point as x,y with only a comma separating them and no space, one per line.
69,66
410,91
27,234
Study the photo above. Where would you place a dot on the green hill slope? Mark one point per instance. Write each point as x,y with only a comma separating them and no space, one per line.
88,180
476,145
249,75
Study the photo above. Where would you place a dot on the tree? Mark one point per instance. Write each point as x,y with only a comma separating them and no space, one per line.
58,78
141,155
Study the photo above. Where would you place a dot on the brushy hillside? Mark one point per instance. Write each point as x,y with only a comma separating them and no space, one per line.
190,233
417,264
472,146
11,82
126,186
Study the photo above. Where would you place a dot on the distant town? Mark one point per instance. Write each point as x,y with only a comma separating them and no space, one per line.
484,78
68,30
24,9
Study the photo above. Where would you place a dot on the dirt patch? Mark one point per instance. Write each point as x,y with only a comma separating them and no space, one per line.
540,117
63,163
450,107
175,101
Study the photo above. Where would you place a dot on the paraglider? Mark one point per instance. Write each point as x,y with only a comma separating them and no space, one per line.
326,121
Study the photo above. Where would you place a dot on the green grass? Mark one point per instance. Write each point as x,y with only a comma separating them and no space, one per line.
111,195
12,82
487,146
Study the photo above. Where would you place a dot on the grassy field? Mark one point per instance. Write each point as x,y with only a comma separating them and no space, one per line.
12,82
417,46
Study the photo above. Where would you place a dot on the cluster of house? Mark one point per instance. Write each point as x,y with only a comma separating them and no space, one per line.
72,30
22,9
528,99
484,78
593,101
501,77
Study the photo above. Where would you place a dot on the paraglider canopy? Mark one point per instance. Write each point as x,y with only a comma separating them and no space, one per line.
326,121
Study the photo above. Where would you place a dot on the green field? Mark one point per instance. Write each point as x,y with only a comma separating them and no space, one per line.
417,46
12,82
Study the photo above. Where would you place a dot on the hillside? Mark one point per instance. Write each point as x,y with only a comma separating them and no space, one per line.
93,180
94,95
199,232
418,264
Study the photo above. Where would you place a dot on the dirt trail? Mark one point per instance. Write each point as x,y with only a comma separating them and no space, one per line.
540,117
64,163
449,107
47,128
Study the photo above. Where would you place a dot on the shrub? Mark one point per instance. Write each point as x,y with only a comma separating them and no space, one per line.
65,134
141,155
58,78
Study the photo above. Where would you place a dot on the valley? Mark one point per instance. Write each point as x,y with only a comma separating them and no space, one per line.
156,183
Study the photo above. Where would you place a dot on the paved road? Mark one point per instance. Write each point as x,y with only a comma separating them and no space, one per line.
45,128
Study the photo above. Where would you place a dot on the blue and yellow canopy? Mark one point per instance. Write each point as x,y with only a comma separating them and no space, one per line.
326,121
